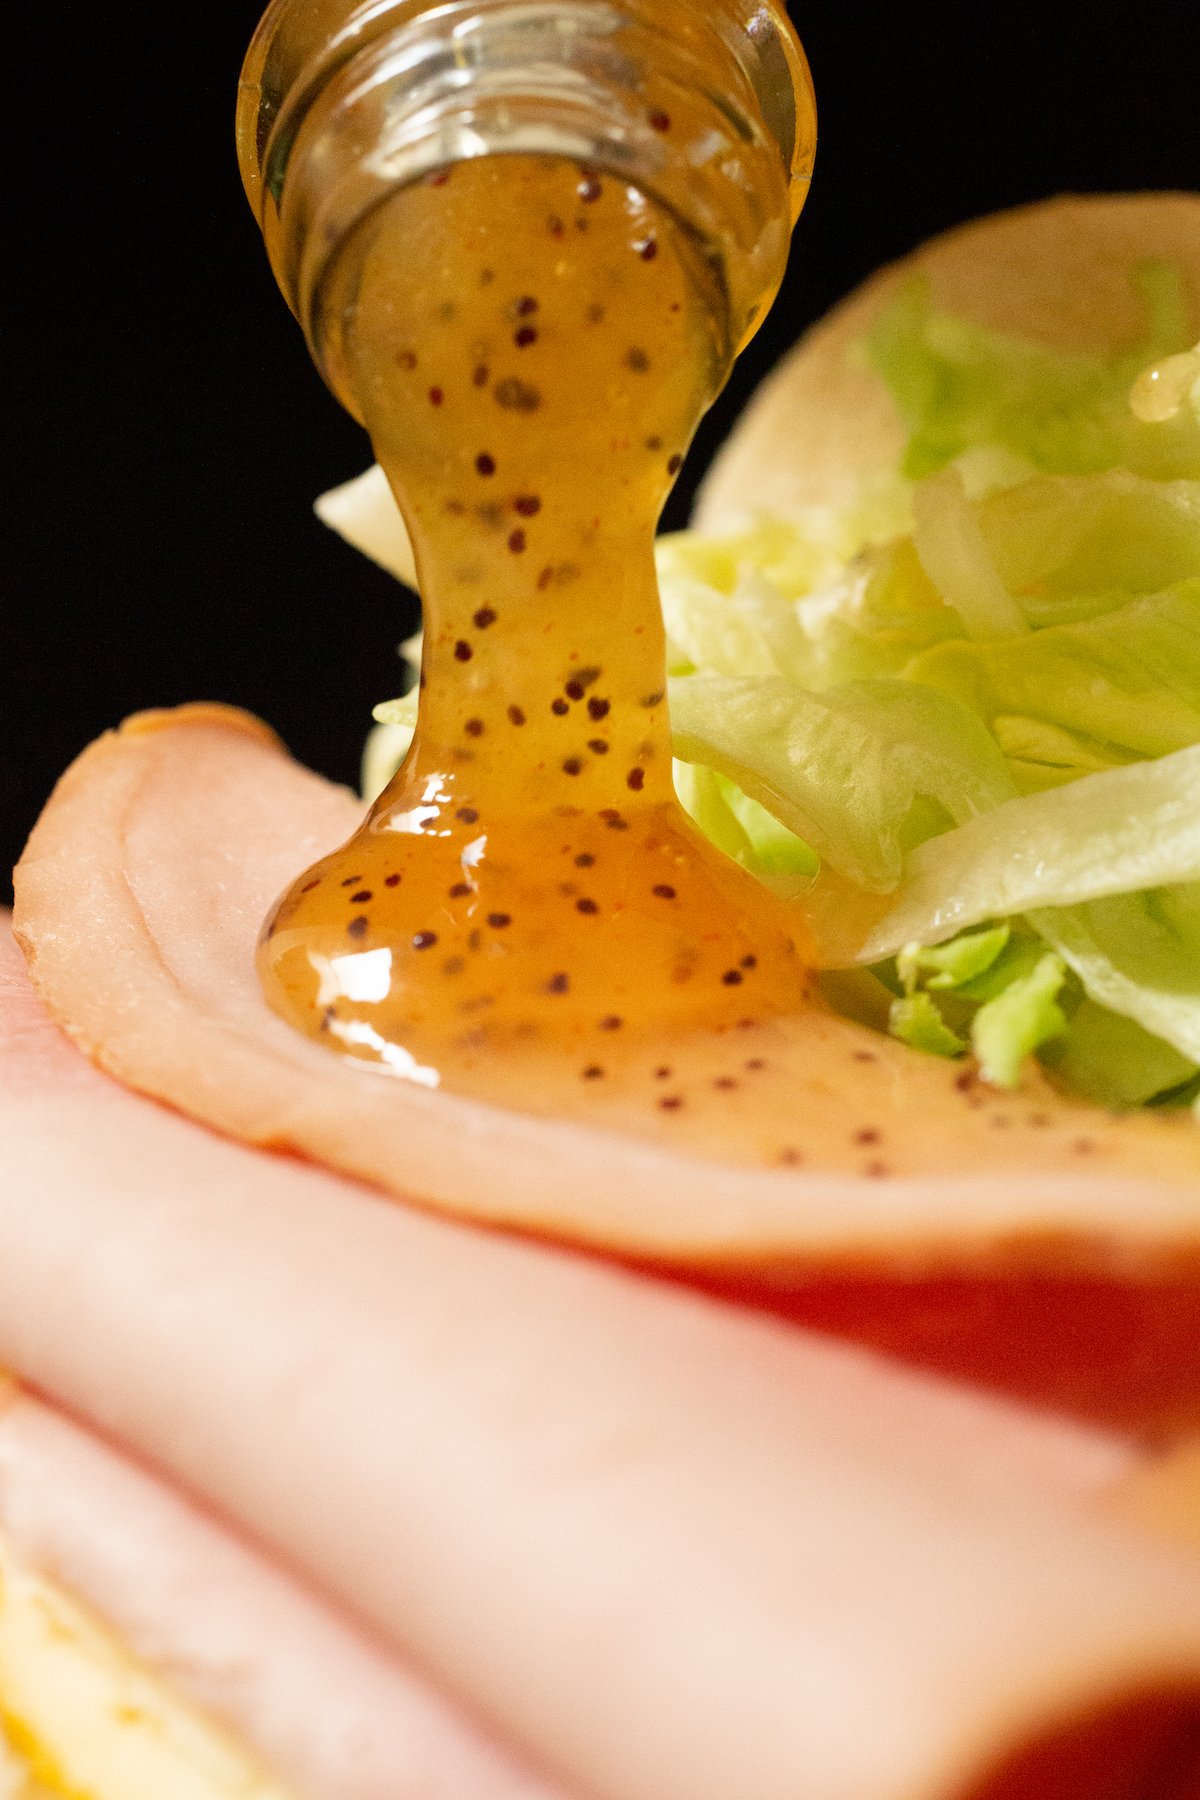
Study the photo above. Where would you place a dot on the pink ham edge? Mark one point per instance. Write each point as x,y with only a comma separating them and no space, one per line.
678,1551
322,1706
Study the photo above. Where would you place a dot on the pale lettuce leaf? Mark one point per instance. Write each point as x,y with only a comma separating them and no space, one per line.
1113,833
861,772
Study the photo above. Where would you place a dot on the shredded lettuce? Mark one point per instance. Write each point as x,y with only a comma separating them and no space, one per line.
959,386
946,966
1019,1021
990,990
1113,833
916,1021
861,772
1114,1062
958,721
1139,956
1125,684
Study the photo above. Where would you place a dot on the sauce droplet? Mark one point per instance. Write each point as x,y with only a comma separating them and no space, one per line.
1161,393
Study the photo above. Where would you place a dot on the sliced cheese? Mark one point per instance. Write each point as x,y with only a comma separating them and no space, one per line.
89,1722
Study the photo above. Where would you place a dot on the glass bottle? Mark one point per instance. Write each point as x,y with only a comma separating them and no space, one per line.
341,104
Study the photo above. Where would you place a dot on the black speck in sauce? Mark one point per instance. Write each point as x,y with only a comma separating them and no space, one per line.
517,396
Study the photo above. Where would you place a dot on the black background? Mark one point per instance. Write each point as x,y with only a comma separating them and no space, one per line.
167,434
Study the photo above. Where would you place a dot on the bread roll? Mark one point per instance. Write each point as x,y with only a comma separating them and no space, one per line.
1058,273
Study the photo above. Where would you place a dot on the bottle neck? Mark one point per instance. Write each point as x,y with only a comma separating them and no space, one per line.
706,108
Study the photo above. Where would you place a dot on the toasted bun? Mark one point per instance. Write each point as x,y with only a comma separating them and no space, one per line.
1058,273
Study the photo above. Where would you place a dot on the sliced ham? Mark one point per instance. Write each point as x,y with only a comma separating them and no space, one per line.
676,1551
319,1702
139,902
141,896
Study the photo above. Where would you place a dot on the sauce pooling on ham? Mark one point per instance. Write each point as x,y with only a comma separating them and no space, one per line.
532,346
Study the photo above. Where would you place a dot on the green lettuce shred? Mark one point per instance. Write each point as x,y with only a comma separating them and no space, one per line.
916,1021
1019,1021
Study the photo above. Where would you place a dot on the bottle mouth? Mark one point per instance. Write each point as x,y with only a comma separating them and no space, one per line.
707,111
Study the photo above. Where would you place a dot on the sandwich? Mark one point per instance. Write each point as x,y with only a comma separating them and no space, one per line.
550,1409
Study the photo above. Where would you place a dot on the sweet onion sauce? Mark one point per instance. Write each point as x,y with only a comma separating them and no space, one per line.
534,346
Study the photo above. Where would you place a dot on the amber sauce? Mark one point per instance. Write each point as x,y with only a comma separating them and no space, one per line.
534,348
527,916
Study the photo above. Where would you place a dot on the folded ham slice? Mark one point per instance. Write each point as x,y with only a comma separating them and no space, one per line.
140,901
676,1551
320,1703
